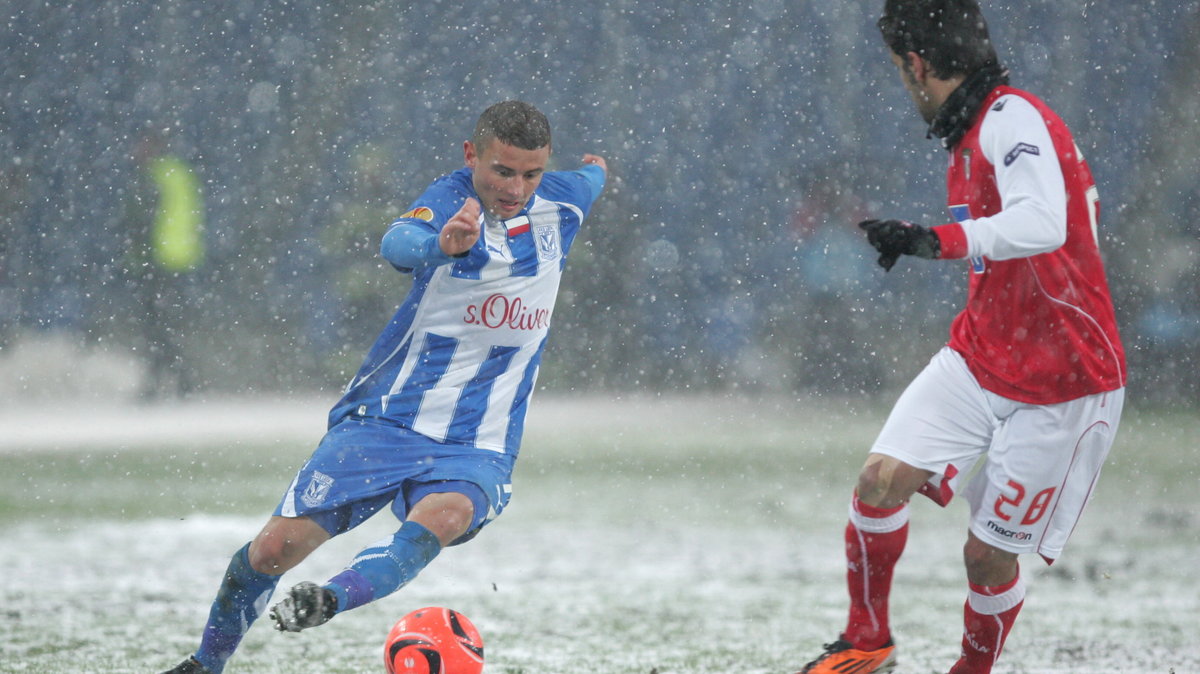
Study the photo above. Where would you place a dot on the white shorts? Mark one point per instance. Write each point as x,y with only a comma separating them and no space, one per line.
1042,460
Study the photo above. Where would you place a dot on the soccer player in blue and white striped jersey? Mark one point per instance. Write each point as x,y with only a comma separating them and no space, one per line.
431,423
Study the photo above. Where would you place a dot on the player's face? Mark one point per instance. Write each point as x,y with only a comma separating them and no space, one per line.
916,88
505,175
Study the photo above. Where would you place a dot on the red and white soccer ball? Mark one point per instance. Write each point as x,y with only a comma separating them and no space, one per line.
433,640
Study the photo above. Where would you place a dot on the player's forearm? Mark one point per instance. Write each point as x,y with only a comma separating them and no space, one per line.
408,246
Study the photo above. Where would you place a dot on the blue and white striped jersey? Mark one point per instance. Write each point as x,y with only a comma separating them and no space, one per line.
458,361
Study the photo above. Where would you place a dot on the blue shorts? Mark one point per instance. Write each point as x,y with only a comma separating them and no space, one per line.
361,465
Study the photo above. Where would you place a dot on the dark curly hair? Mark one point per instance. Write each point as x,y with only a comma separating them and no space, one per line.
951,35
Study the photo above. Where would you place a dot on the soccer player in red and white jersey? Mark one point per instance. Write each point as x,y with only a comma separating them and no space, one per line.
1034,373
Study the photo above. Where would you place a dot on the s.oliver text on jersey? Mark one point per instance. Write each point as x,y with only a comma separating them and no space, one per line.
500,311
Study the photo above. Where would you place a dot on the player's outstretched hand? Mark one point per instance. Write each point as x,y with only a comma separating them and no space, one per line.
893,238
597,160
461,231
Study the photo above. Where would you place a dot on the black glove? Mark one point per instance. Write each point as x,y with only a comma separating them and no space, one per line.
893,238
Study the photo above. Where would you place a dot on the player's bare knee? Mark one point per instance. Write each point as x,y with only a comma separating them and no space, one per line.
885,482
872,487
453,521
283,544
875,486
448,515
267,555
988,565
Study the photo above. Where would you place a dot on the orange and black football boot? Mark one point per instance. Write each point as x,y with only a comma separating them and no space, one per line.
841,657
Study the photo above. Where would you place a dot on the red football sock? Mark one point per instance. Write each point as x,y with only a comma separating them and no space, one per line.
875,538
988,617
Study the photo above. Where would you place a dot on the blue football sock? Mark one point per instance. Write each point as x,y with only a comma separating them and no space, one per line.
243,595
385,567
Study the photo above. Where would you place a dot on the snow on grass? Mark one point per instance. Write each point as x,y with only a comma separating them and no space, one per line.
669,536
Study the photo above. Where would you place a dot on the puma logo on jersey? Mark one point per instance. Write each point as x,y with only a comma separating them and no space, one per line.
1018,150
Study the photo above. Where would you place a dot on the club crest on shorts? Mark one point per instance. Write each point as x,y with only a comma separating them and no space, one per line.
317,490
547,242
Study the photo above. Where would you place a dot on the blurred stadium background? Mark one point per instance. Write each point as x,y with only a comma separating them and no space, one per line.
744,138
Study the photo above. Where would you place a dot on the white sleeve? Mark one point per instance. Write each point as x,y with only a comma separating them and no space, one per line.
1033,195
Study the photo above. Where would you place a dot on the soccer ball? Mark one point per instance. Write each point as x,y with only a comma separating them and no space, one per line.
433,640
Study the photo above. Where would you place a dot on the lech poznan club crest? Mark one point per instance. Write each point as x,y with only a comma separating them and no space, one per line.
547,242
317,490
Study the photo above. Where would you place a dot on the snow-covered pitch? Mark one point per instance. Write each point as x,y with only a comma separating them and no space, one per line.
682,535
